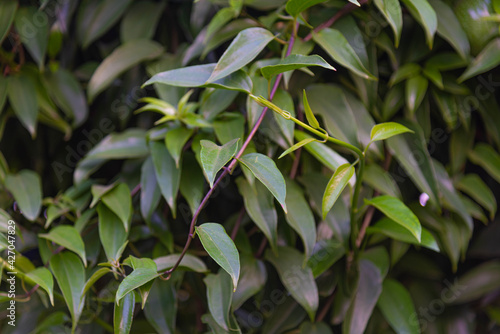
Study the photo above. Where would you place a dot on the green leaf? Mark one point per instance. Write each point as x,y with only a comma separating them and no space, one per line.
67,93
126,145
120,60
161,308
450,29
311,119
300,216
395,231
295,7
119,201
137,278
387,130
111,232
242,50
3,90
398,212
175,141
124,314
425,15
266,171
70,276
69,238
322,152
188,262
367,293
229,126
219,297
150,190
416,87
253,278
259,205
391,10
219,20
101,19
43,277
475,187
23,100
404,72
337,46
335,186
32,26
378,178
167,174
485,156
397,307
294,62
476,283
26,188
94,278
8,10
197,76
192,181
221,248
141,20
214,157
299,281
325,254
486,60
297,146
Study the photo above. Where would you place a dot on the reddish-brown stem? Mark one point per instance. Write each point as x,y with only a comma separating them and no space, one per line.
232,165
238,223
346,9
326,307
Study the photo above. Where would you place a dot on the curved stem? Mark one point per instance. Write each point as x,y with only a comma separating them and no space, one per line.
233,163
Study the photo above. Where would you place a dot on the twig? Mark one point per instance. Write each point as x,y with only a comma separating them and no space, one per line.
345,10
326,307
238,223
231,166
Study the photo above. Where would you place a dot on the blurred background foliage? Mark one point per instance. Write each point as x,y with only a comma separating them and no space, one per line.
100,185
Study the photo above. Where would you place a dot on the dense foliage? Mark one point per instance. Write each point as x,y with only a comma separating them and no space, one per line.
249,166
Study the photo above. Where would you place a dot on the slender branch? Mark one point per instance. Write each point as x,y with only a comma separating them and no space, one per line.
345,10
326,307
238,223
232,165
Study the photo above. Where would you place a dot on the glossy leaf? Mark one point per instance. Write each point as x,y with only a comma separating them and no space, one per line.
259,205
391,10
26,188
300,216
214,157
295,7
311,119
398,212
486,157
137,278
150,190
397,307
425,15
474,186
297,146
8,10
105,15
95,277
111,232
337,46
266,171
321,152
124,314
70,276
43,277
119,201
219,297
69,238
167,174
220,19
221,248
450,29
335,186
175,141
121,59
188,262
486,60
252,279
33,34
229,126
242,50
141,20
161,308
299,281
294,62
377,178
192,181
387,130
416,87
23,99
